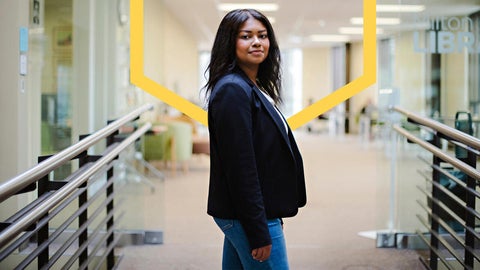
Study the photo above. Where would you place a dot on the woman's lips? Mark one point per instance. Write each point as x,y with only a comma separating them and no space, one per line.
257,52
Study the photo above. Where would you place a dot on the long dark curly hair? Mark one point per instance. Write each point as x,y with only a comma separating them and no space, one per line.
223,58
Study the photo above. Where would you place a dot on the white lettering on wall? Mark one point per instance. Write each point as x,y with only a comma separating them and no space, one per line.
446,35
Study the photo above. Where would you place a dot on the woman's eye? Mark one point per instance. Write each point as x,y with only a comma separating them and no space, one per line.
263,36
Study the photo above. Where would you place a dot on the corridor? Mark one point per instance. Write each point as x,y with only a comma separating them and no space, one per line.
345,198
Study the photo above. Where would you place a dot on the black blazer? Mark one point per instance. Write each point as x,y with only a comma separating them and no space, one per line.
256,170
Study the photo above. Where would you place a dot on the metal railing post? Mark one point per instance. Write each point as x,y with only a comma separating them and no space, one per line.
435,208
42,234
83,217
110,207
469,216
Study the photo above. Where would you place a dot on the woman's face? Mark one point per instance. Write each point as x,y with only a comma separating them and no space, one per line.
252,44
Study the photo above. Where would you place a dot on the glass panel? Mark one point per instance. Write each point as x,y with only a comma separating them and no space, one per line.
428,64
292,83
474,74
337,116
56,76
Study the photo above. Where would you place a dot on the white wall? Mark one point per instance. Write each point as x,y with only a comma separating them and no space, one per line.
171,55
154,35
317,74
181,59
16,138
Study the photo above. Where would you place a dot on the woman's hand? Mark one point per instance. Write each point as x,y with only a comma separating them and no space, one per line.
262,254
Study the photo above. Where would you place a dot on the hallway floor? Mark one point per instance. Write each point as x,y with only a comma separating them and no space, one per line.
345,198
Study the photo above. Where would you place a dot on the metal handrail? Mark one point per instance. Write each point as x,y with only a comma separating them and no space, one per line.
11,231
16,184
442,128
439,153
457,206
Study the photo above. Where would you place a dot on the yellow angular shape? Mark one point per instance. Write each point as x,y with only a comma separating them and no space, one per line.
368,78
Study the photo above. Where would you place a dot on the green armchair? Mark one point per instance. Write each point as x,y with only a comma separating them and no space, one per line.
172,145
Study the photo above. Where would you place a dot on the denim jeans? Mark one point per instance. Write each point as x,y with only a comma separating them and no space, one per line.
237,254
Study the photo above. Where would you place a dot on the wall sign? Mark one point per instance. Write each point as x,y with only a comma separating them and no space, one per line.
447,35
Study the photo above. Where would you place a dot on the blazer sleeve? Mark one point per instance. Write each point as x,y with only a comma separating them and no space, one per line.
231,113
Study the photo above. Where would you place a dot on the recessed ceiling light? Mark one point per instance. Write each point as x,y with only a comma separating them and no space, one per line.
400,8
258,6
329,38
295,39
380,21
355,30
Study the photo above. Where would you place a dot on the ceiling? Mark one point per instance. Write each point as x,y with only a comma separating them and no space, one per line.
297,20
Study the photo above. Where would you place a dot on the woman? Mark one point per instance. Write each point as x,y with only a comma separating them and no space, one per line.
256,172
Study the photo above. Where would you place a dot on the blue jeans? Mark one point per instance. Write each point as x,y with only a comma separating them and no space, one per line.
237,254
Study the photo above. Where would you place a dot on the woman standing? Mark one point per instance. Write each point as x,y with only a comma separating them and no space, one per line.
256,172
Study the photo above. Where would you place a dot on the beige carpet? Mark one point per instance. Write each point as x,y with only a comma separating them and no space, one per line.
346,196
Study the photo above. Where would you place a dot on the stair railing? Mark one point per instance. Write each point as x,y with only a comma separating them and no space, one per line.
93,240
451,213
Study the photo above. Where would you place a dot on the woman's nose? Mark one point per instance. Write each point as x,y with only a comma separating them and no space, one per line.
256,40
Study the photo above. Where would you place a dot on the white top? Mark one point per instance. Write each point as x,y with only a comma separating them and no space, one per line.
276,109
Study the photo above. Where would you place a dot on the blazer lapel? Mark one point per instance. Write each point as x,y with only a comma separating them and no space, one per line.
274,115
